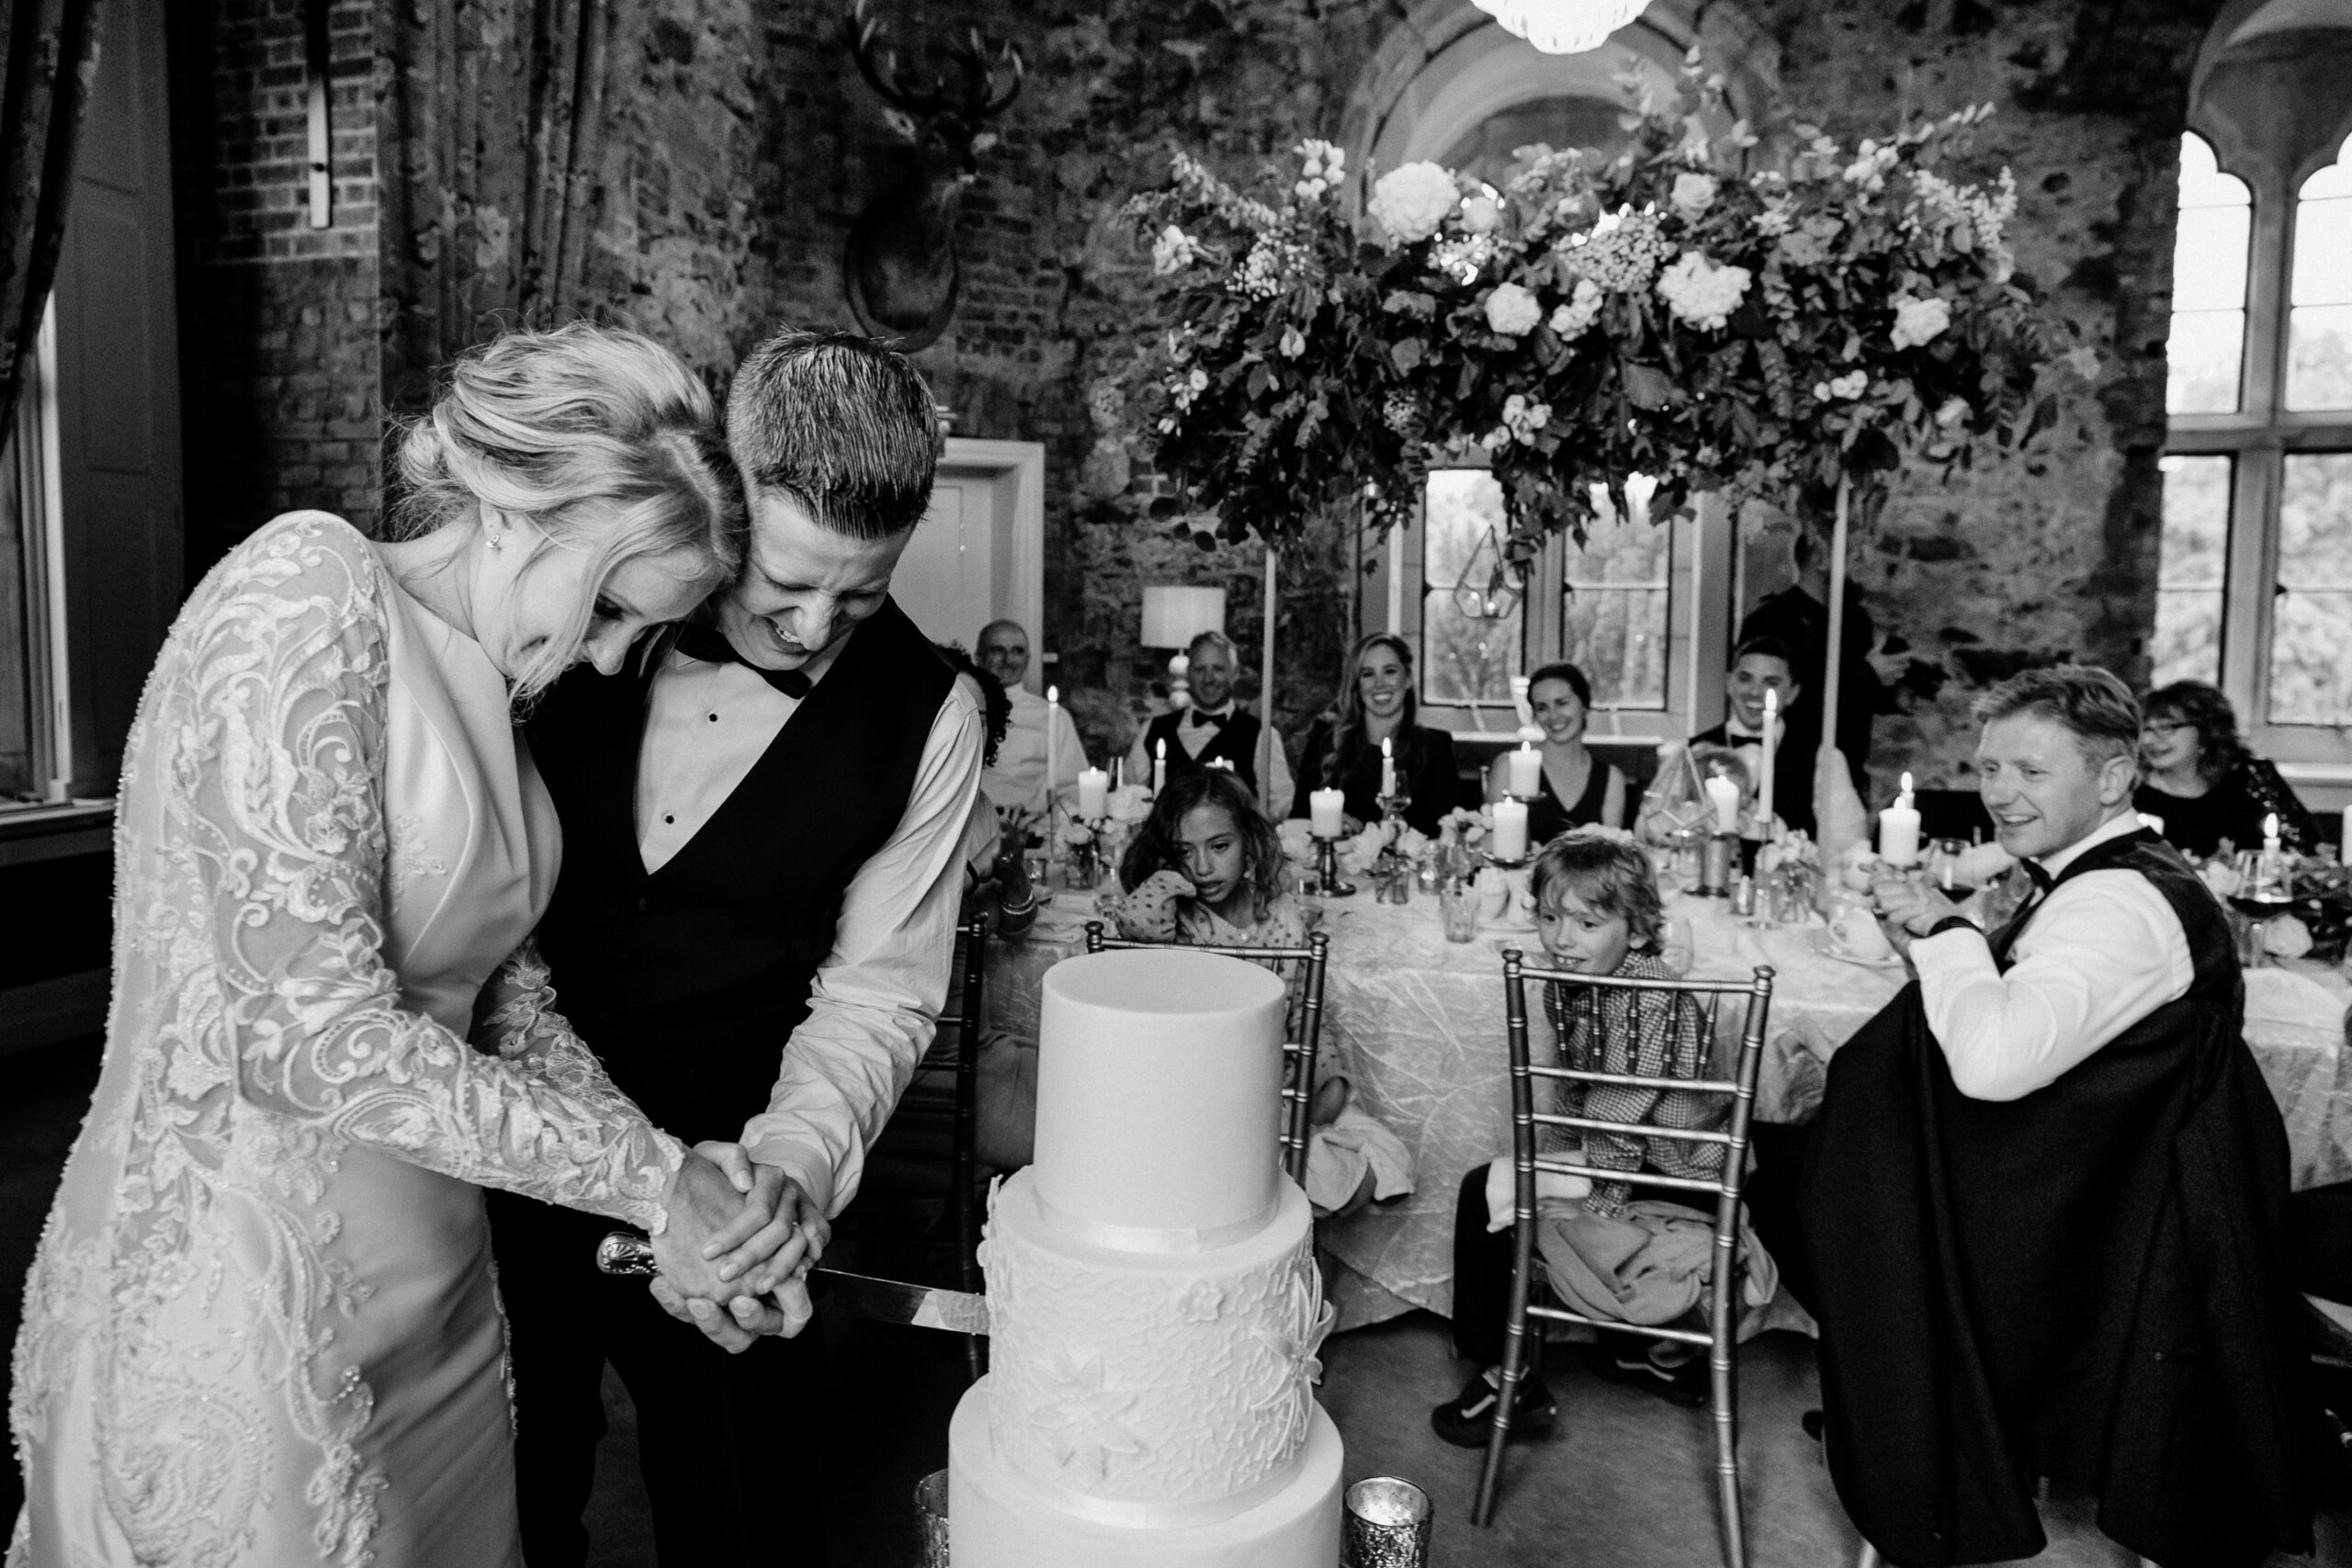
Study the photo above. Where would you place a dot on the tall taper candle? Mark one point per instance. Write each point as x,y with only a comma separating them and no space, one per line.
1771,744
1387,767
1158,766
1053,724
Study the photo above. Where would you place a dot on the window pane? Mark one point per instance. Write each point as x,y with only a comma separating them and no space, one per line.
1613,623
2209,258
2203,353
15,694
1466,656
2319,329
2311,676
2191,569
2319,357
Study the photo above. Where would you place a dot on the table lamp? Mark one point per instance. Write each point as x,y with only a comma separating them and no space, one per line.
1173,617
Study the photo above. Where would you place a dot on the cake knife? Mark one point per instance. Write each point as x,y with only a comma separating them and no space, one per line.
876,1301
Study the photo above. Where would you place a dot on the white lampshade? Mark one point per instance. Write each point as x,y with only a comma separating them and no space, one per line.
1562,27
1173,616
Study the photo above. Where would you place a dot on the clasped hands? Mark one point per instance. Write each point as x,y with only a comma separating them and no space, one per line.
736,1252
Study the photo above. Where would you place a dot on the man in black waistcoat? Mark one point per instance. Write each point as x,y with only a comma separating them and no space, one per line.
752,930
1216,731
2044,1204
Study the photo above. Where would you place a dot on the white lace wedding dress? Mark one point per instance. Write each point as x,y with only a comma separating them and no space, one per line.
261,1328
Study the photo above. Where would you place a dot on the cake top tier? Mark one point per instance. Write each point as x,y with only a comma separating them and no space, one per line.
1159,1087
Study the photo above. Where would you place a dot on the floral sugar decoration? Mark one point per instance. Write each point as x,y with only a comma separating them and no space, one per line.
1760,312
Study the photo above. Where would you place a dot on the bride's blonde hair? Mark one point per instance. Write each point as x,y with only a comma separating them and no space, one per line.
601,437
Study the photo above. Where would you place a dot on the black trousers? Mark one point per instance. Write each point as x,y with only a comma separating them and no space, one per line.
1482,1261
730,1445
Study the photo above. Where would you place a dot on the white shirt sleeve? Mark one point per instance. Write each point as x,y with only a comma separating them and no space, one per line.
2104,952
875,1000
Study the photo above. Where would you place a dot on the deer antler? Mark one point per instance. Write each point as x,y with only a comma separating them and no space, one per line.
879,66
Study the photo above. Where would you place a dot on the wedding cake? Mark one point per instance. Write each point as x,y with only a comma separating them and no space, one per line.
1153,1303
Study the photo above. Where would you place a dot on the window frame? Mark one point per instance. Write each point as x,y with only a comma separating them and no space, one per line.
2259,436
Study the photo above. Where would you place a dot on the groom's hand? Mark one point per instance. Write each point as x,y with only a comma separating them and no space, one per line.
722,1219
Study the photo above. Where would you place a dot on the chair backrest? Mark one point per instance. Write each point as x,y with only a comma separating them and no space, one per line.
1738,1089
1299,1045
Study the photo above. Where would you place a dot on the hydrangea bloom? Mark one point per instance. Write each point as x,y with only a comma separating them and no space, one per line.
1480,215
1846,387
1622,252
1702,293
1409,203
1513,311
1693,194
1582,310
1918,322
1172,252
1294,342
1523,421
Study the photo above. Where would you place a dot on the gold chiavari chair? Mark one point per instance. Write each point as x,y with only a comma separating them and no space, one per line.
1527,1123
1298,1044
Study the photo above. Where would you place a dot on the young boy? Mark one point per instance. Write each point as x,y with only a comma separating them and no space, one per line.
1598,913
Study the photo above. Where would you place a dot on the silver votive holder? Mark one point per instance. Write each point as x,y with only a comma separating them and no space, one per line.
1387,1525
931,1520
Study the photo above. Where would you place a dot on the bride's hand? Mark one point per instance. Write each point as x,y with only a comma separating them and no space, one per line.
719,1231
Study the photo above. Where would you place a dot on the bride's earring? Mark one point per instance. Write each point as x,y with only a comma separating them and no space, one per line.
495,538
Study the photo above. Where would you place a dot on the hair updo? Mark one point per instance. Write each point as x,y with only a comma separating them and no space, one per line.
599,437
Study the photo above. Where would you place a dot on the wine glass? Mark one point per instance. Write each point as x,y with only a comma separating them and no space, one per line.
1942,866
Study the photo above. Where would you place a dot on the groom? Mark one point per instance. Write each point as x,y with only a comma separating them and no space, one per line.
752,931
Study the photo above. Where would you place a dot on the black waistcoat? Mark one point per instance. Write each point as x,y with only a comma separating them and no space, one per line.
687,981
1236,742
2084,1283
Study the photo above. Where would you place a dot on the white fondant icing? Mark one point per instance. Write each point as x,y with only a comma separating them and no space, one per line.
1150,1376
1159,1087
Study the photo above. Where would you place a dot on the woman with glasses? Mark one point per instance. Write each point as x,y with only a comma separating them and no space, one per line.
2200,778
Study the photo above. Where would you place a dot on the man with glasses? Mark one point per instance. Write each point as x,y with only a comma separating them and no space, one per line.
2045,1203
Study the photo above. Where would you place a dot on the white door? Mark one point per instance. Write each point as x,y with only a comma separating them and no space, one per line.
978,554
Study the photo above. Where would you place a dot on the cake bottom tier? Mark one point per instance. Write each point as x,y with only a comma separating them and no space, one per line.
996,1519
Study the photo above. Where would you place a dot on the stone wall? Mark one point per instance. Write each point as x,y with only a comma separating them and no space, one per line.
277,320
739,144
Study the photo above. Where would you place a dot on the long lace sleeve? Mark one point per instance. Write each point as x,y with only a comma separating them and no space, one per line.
274,754
520,1025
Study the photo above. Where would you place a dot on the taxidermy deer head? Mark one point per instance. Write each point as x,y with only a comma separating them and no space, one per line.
900,271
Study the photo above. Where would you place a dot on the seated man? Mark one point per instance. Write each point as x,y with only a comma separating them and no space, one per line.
2044,1201
1014,779
1758,666
1216,730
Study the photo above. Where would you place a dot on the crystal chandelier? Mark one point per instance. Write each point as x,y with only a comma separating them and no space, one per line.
1562,27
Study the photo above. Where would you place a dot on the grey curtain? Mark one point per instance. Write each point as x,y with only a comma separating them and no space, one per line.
51,52
490,135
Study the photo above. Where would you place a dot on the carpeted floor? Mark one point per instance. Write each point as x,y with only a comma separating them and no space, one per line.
1622,1482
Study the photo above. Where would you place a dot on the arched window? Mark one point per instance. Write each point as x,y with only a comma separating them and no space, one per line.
2255,578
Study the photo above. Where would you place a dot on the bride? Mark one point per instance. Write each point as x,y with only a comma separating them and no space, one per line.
262,1325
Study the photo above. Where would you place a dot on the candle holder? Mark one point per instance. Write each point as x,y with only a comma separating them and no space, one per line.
1717,856
1326,869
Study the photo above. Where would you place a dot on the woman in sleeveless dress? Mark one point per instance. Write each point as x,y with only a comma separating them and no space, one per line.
262,1327
1579,789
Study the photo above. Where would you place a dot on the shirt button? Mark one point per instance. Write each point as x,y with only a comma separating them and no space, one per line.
669,819
643,905
714,719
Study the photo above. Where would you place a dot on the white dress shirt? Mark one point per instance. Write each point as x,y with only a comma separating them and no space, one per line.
1017,778
877,998
2103,952
1195,737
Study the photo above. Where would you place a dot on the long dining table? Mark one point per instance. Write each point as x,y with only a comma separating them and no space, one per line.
1420,1021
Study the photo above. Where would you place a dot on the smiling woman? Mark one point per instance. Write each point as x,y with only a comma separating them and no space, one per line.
1377,707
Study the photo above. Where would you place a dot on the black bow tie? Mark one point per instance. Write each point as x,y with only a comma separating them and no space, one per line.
2037,875
710,644
1208,720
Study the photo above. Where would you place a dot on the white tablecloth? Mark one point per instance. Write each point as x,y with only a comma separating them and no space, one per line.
1423,1020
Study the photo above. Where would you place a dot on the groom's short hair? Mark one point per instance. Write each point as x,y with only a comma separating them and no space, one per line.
843,424
2095,704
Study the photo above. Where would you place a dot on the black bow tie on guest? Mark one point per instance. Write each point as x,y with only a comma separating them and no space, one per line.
710,644
2037,875
1207,720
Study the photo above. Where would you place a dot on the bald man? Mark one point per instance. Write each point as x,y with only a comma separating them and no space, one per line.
1017,779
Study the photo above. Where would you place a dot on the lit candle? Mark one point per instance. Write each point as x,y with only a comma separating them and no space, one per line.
1158,766
1094,795
2270,834
1325,808
1771,743
1387,767
1523,770
1724,796
1510,830
1053,724
1898,829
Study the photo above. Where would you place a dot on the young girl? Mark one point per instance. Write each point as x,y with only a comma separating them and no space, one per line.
1208,867
1607,1253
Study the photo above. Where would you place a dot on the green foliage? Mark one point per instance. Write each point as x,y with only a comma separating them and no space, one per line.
1682,311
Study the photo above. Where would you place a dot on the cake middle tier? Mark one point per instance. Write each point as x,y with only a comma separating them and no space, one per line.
1153,1377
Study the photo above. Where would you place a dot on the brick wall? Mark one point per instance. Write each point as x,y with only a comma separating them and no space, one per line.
277,318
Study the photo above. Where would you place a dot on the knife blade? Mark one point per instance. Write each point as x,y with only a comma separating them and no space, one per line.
877,1301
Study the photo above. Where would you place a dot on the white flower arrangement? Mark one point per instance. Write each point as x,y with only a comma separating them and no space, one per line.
1693,194
1294,342
1463,826
1918,322
1583,307
1129,804
1325,167
1513,311
1410,203
1480,215
1702,293
1298,840
1842,388
1523,421
1172,252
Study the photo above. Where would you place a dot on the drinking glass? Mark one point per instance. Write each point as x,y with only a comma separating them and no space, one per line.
1677,951
1457,903
1942,868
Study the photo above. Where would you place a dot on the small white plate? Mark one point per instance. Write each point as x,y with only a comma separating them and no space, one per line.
1830,947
